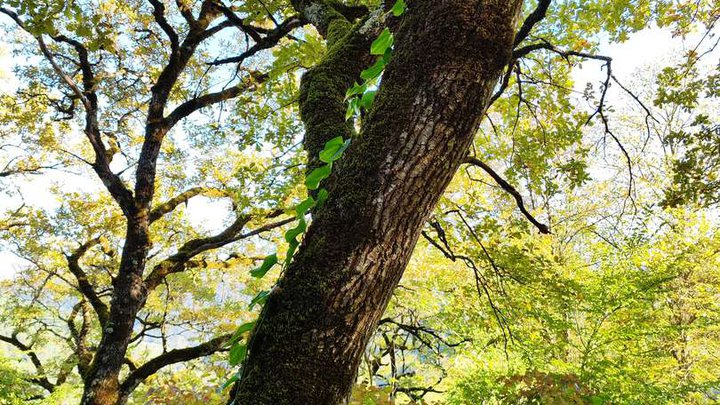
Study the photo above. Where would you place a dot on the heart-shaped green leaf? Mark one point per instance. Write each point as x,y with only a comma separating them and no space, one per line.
373,71
259,299
334,149
398,8
266,265
292,247
355,90
322,195
382,43
305,206
293,233
312,181
367,99
244,328
237,354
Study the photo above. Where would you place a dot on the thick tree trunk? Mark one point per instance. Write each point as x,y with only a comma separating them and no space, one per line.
316,323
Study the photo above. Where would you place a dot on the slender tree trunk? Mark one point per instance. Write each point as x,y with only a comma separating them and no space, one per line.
129,294
308,343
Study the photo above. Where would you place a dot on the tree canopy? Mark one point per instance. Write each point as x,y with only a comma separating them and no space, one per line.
411,201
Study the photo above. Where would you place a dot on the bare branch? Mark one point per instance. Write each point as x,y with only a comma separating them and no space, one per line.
530,22
504,82
172,357
524,51
188,107
508,188
37,169
481,284
179,261
266,42
170,205
87,290
419,330
159,14
535,17
600,111
238,22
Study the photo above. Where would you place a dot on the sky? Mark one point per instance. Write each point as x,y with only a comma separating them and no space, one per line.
647,47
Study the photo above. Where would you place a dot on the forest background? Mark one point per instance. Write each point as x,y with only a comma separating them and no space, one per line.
573,258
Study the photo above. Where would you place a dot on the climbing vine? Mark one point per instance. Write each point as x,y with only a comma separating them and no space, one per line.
359,98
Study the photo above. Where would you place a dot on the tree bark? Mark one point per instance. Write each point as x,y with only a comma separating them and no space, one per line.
102,385
315,325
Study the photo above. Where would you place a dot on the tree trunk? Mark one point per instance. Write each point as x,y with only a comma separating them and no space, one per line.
129,294
314,328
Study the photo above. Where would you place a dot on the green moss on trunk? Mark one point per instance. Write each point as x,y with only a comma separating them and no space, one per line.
314,327
322,90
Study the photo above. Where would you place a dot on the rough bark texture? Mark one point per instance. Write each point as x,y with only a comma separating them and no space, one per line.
129,293
316,323
322,90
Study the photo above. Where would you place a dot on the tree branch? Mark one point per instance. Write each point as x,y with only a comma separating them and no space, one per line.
87,96
238,22
172,357
159,14
170,205
36,169
271,39
534,18
321,13
317,12
83,353
179,261
600,111
42,379
508,188
49,56
189,107
520,52
102,158
418,331
186,12
87,290
156,127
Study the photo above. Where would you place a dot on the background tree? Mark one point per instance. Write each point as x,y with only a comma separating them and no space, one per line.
121,75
